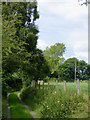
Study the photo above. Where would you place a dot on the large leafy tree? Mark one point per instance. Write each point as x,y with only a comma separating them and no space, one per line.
88,71
82,2
69,68
19,38
54,56
39,66
19,30
82,70
73,68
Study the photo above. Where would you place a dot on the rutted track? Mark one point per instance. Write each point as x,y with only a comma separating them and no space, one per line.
32,113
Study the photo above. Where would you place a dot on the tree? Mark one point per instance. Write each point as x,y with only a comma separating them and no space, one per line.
82,2
54,56
73,68
19,35
88,71
82,70
39,66
69,68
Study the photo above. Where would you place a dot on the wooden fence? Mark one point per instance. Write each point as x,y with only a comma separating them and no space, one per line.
42,84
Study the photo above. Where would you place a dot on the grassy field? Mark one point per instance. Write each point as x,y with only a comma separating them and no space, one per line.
54,103
17,110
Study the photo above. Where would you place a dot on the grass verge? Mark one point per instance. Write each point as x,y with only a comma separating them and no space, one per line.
4,108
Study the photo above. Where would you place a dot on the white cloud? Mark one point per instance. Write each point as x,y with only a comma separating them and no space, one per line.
68,8
76,38
79,41
41,44
81,54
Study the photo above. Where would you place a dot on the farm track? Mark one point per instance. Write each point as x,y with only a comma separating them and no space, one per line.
28,109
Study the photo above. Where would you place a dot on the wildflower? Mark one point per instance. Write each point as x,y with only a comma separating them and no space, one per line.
58,101
55,91
48,108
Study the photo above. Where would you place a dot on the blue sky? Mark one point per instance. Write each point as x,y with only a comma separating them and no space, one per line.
64,21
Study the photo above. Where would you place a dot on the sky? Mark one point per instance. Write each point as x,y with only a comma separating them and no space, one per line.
64,21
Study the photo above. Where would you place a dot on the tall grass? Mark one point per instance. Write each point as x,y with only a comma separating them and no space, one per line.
54,103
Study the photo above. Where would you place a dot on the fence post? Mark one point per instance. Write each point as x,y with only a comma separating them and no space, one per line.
48,84
39,84
57,84
31,83
64,85
89,98
35,84
43,84
78,87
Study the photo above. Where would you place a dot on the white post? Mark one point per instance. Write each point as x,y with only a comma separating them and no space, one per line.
57,84
39,84
43,84
48,84
75,69
78,87
65,86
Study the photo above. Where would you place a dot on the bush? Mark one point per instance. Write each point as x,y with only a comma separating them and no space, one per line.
5,87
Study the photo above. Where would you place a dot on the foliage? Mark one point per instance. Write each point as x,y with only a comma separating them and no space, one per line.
82,70
53,104
39,66
54,56
19,35
87,72
5,87
84,2
68,69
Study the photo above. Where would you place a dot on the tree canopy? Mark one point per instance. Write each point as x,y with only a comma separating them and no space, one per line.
21,58
73,69
54,56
